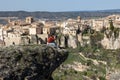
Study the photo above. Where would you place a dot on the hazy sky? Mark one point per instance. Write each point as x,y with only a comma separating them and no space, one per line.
58,5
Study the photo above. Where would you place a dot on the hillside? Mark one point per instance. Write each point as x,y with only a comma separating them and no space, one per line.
59,15
90,62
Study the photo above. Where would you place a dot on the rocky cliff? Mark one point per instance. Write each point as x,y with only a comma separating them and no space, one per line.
30,62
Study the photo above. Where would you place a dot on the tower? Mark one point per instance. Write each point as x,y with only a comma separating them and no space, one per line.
79,19
29,20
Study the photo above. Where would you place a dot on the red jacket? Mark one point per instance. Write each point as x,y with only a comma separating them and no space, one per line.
51,39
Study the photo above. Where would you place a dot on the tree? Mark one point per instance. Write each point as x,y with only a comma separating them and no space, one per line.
111,25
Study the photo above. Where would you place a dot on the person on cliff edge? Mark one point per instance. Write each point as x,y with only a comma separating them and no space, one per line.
51,40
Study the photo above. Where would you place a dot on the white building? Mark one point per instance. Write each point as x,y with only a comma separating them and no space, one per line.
32,31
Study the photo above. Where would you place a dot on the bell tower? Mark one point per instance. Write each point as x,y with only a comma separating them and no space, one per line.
29,20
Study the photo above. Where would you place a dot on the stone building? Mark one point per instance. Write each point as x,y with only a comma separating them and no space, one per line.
115,19
34,30
49,30
98,24
69,31
12,39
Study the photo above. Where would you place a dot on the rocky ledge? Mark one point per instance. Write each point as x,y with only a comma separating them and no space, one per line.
30,62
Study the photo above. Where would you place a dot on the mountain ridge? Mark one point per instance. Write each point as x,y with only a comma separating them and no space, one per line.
60,15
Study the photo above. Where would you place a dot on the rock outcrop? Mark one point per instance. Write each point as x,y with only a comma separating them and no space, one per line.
111,43
30,62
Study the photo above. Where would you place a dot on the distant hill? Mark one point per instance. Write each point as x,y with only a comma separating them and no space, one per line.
59,15
111,10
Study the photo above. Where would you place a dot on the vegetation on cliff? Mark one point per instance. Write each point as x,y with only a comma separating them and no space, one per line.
90,62
30,62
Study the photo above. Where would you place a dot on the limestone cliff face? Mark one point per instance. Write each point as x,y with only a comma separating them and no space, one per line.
31,62
111,43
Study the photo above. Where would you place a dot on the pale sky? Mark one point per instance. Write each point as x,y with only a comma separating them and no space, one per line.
58,5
